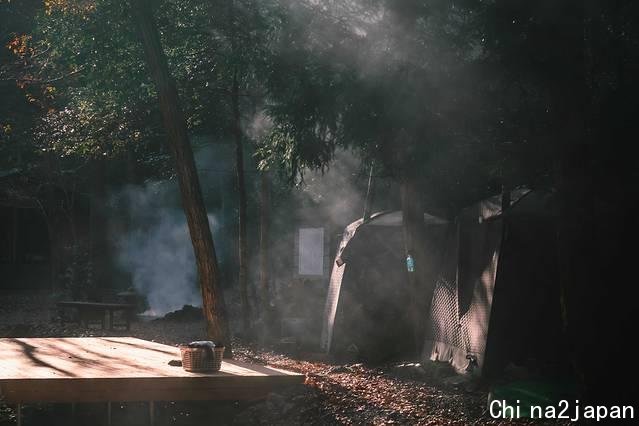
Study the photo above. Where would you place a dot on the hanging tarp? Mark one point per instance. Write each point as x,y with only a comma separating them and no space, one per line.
463,296
496,299
334,287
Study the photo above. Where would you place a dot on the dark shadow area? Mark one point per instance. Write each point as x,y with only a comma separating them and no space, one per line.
24,249
31,353
374,319
140,346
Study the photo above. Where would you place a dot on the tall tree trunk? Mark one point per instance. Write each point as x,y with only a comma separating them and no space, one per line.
241,187
569,96
414,234
593,227
131,165
192,200
49,211
265,213
97,228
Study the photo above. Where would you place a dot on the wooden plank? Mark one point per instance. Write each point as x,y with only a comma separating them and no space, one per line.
121,369
130,392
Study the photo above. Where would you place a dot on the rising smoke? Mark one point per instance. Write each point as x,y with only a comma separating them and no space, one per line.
151,237
156,251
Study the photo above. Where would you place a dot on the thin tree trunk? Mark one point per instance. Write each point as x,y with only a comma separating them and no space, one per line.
414,233
192,200
53,257
49,212
131,165
265,212
368,201
14,237
241,187
98,245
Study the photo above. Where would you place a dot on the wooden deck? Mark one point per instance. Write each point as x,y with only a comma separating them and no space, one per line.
121,369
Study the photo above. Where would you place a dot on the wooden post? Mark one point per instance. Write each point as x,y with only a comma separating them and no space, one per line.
19,414
109,413
151,413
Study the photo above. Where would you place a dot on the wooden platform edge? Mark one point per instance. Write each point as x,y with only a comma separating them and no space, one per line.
143,389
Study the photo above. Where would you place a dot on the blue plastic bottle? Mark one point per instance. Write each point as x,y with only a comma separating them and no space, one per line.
410,263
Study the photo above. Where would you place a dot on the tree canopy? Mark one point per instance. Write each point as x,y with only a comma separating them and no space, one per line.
461,99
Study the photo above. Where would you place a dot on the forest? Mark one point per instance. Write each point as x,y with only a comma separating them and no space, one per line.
254,173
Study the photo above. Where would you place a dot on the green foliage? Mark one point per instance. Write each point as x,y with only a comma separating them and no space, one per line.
460,95
397,82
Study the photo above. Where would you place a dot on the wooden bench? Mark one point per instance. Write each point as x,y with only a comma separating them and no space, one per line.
95,312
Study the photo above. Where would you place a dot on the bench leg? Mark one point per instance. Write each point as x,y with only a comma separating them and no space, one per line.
83,318
151,413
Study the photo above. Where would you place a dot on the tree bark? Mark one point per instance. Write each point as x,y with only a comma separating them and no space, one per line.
192,200
14,236
97,223
265,213
368,201
414,233
49,212
568,91
241,187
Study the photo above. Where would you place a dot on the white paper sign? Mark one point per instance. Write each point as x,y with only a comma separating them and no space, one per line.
311,251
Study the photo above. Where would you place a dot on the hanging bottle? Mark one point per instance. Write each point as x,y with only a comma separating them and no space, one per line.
410,263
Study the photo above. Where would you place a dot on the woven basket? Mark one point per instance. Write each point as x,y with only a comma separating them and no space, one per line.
200,359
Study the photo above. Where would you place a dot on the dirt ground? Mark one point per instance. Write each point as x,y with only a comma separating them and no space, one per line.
352,394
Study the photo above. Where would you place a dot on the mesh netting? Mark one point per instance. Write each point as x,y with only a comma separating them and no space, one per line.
444,317
462,299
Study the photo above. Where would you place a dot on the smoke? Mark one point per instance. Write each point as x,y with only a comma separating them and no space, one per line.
418,71
372,35
150,235
259,125
156,248
331,201
430,49
336,196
